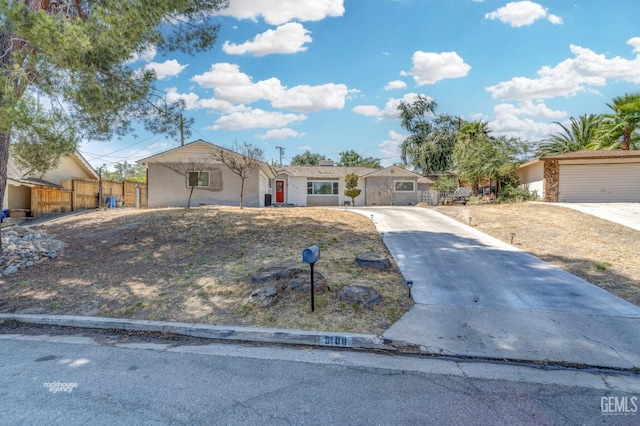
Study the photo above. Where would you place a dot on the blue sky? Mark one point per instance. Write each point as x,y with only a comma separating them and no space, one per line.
327,75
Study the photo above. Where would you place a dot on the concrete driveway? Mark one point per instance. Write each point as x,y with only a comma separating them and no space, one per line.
479,297
627,214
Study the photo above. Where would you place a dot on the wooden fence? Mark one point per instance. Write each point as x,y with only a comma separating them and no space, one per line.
78,194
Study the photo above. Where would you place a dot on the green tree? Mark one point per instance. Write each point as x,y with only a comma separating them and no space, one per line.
432,138
307,159
352,190
619,128
126,171
580,135
446,184
487,157
65,72
351,158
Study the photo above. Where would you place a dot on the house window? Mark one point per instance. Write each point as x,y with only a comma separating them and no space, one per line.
322,188
199,179
404,186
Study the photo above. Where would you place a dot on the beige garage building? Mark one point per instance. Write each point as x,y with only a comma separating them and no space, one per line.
586,176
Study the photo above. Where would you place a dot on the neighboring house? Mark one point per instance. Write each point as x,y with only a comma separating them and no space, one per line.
585,176
531,176
22,187
168,175
324,185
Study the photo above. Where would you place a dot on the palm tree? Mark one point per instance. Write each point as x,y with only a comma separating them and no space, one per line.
619,127
582,134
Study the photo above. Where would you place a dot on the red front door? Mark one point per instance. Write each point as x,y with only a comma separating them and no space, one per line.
279,191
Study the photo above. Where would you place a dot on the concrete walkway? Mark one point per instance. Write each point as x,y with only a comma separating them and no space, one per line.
479,297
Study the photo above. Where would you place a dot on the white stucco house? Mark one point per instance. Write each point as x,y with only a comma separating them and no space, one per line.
169,174
584,176
21,185
324,185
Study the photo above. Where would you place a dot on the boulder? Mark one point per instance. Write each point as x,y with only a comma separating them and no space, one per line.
274,273
373,260
302,282
362,295
265,296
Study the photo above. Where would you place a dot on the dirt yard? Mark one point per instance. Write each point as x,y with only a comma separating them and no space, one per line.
599,251
196,266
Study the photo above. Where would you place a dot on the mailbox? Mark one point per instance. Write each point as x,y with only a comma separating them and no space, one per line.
311,254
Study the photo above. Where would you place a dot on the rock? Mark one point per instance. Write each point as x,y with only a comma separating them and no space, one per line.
302,282
274,273
365,296
19,250
266,296
373,260
10,270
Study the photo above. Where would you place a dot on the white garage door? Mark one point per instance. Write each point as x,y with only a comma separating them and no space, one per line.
599,183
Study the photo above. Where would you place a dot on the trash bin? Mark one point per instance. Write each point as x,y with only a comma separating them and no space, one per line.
267,200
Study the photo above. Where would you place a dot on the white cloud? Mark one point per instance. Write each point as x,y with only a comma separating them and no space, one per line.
277,12
312,98
572,76
304,148
635,43
509,123
146,55
369,110
254,119
521,13
190,99
287,38
430,67
236,87
169,68
530,108
395,84
281,134
390,110
391,148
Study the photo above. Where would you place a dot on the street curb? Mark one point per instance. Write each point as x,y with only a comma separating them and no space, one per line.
217,332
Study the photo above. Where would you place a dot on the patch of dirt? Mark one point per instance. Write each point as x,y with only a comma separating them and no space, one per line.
195,265
601,252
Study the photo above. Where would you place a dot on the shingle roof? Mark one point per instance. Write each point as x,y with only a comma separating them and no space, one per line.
323,171
599,154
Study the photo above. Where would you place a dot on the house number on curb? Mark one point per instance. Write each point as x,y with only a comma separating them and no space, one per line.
335,341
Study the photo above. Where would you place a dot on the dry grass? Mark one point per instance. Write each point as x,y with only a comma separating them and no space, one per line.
196,265
599,251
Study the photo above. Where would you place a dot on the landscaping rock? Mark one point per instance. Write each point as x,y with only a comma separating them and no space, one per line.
302,282
274,273
373,260
23,248
266,296
365,296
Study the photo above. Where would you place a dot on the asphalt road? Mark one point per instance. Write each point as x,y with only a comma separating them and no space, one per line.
477,296
74,381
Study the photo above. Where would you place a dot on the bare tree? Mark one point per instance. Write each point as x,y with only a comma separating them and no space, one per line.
383,192
242,159
195,171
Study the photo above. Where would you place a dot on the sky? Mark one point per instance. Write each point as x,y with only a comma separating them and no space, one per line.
327,75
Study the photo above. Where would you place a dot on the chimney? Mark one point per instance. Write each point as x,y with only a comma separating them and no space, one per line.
327,162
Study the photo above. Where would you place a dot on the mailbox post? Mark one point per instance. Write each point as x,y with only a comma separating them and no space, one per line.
311,255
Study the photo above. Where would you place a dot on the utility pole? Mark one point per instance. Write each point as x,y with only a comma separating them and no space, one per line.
181,130
281,149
